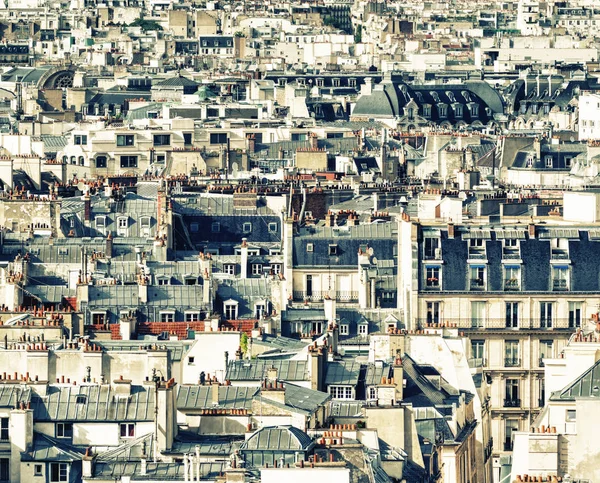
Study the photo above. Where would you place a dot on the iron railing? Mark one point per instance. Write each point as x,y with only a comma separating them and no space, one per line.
512,403
319,296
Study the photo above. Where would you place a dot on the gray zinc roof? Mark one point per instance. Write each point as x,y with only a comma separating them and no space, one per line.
200,397
278,438
95,403
345,373
256,370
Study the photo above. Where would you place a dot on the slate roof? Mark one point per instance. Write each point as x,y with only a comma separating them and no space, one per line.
101,404
46,448
303,398
286,438
419,390
109,470
11,395
342,373
256,370
200,397
347,409
584,386
375,373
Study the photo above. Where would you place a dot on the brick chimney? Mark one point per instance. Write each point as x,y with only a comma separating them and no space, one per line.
330,219
531,230
450,230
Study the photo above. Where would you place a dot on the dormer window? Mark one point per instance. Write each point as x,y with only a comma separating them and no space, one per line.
167,316
101,224
443,110
122,225
145,226
229,268
344,329
363,329
333,249
530,161
548,161
426,110
163,280
260,309
230,308
458,110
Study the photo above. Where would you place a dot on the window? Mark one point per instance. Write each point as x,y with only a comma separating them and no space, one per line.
511,426
340,392
80,139
259,310
478,353
309,285
125,139
38,470
512,314
122,222
372,392
575,309
363,329
192,316
215,227
129,161
568,161
4,434
571,415
194,227
432,246
127,430
145,226
59,472
272,227
229,268
247,227
64,430
477,277
546,309
477,314
433,312
511,353
191,360
275,268
99,318
257,269
344,329
187,138
426,110
333,249
560,277
512,393
310,247
432,275
162,139
81,399
548,161
163,280
231,311
167,317
101,162
218,138
81,160
512,277
546,351
443,110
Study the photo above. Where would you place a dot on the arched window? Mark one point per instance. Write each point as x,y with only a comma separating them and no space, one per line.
81,160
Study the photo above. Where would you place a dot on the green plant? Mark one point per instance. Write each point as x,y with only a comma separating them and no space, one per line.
244,343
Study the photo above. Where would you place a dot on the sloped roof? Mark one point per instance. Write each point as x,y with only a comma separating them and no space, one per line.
256,370
46,448
278,438
200,397
343,373
586,385
176,82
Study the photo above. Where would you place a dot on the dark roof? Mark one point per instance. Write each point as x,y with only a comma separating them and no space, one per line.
278,438
303,398
342,373
176,82
200,397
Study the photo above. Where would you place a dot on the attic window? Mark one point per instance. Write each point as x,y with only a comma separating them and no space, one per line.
363,329
63,251
81,399
344,329
548,161
529,161
333,249
247,227
310,247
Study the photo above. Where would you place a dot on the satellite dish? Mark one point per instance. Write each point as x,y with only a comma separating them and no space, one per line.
374,260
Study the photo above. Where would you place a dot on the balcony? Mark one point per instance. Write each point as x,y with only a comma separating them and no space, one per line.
512,403
477,284
511,254
512,285
560,285
476,362
315,296
558,254
432,283
512,362
477,254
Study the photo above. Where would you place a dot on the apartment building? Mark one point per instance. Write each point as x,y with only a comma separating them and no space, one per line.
517,291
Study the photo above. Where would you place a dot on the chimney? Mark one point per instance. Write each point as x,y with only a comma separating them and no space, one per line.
531,230
314,142
450,230
330,310
334,332
398,375
274,391
272,375
143,466
167,415
316,368
122,387
353,219
226,360
87,464
251,144
238,354
109,245
214,392
244,259
330,219
87,208
21,438
537,146
142,290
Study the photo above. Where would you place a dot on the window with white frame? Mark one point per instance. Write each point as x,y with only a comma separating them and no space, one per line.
192,316
341,392
247,227
167,316
363,329
122,223
310,247
64,430
257,269
231,310
260,310
59,472
163,280
275,268
272,227
101,224
372,392
145,226
344,329
229,268
127,430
